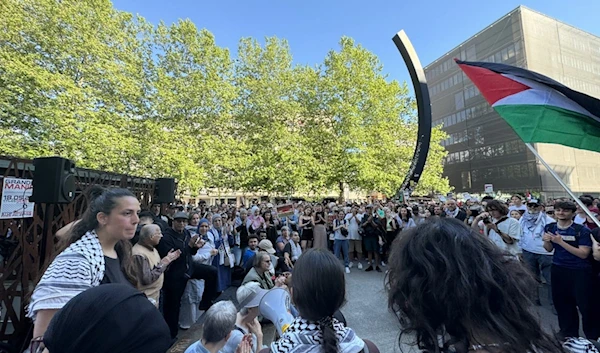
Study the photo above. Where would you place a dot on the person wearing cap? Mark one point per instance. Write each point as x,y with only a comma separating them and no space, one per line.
218,326
536,258
249,296
170,213
278,263
264,268
265,245
176,276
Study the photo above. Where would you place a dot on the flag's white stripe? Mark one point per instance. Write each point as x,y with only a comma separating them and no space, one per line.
540,94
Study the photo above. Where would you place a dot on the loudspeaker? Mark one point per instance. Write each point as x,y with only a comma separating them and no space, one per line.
53,180
164,190
275,306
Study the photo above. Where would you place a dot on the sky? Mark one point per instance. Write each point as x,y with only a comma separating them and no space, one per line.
313,27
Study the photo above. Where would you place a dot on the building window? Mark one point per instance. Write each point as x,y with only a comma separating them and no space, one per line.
466,180
459,100
531,167
471,53
504,54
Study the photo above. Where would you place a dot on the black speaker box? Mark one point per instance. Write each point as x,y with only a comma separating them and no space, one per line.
53,180
164,190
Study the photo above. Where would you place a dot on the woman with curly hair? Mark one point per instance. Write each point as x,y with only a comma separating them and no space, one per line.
455,291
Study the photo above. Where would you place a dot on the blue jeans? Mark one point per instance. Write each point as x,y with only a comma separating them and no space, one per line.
343,245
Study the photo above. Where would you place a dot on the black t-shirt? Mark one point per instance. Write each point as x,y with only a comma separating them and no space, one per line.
318,219
243,231
112,272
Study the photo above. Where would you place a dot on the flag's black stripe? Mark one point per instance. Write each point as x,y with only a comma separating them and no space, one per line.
589,103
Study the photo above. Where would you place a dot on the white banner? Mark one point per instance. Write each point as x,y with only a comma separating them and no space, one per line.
15,198
488,188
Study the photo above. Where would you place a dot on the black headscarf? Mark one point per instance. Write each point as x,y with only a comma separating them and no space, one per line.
110,318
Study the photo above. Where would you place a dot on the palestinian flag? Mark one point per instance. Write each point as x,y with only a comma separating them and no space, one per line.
538,108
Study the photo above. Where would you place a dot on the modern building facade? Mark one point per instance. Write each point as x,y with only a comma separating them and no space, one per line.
482,148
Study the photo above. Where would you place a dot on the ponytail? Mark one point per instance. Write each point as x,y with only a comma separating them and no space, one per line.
330,341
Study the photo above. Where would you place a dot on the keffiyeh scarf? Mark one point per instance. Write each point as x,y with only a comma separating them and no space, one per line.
79,267
533,224
306,337
452,214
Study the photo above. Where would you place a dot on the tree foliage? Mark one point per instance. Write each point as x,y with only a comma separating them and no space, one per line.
111,91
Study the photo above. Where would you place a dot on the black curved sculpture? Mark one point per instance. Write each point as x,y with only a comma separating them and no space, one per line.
417,76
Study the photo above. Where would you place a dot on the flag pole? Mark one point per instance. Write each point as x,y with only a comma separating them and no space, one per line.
561,182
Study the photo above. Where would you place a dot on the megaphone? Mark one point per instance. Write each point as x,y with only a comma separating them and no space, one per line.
275,306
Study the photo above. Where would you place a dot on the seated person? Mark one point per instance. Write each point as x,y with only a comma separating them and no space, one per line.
317,299
260,272
262,235
219,321
282,241
249,252
249,297
292,250
278,264
87,323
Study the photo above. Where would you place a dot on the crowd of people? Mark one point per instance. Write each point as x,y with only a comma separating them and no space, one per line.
459,274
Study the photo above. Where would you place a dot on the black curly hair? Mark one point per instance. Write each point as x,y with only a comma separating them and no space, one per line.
445,279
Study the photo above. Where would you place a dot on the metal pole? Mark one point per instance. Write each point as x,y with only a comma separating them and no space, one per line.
559,180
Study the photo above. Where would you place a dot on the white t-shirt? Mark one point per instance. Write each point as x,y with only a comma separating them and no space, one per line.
509,226
353,225
579,219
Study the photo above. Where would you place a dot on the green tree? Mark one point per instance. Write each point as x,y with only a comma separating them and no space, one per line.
267,114
69,80
111,91
362,126
192,103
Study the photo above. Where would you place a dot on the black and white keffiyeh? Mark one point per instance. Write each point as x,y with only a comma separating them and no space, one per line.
79,267
306,337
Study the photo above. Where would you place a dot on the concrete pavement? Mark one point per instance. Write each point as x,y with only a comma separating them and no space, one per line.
365,311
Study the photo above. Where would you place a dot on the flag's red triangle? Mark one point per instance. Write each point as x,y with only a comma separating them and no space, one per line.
493,86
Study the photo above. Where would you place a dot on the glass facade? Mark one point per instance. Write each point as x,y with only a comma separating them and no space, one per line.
482,148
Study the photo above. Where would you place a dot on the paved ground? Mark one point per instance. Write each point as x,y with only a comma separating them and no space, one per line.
366,312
